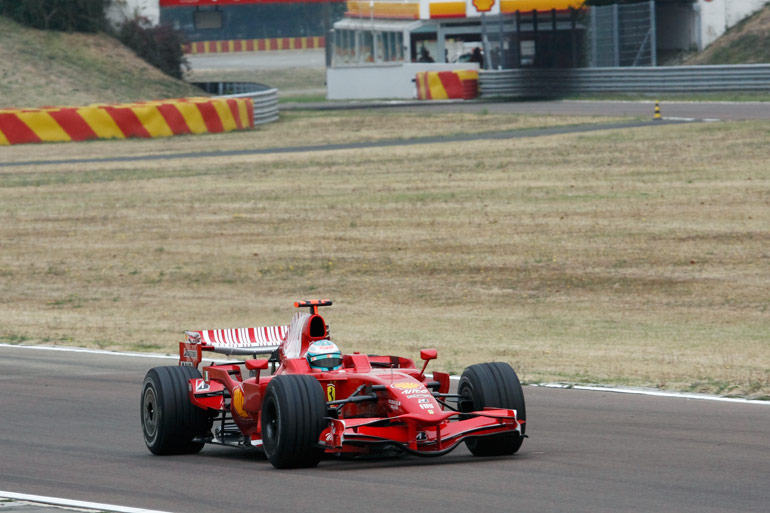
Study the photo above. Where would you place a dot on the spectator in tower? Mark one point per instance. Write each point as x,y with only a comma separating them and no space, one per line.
476,56
425,55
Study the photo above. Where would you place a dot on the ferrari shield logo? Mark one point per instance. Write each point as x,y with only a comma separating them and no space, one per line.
331,392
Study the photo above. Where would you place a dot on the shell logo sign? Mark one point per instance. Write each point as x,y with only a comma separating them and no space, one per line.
483,5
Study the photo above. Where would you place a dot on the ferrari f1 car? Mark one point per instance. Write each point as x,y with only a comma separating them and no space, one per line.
315,401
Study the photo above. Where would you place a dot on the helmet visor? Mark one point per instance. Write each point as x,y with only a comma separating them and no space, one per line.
326,361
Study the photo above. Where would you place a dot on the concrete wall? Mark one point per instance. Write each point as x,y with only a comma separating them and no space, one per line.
120,10
716,16
381,82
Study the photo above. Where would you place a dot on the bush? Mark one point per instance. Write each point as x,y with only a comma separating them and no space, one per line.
64,15
161,46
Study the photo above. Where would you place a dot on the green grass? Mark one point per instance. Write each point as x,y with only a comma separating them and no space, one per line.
300,99
48,68
15,339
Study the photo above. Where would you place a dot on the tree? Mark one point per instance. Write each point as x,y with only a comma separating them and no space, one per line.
64,15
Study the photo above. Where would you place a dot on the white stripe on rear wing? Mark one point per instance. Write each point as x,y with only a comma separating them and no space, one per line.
240,341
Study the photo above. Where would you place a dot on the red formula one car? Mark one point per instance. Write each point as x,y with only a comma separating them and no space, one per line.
316,400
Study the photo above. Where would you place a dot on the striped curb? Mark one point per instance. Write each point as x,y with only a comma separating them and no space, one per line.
145,119
255,45
444,85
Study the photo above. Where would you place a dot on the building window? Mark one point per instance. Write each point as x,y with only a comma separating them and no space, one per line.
345,46
208,20
366,47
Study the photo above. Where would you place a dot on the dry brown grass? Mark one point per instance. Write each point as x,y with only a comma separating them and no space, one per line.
635,257
745,43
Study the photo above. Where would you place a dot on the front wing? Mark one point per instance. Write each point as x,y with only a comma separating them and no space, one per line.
414,434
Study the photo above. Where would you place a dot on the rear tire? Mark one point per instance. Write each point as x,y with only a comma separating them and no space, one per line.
293,417
169,420
493,385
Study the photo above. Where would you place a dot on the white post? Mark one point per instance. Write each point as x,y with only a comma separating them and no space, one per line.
616,34
653,35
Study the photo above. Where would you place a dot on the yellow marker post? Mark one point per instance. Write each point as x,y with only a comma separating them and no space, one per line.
657,116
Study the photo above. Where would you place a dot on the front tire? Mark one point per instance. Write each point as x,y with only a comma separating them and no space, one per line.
170,421
493,385
293,417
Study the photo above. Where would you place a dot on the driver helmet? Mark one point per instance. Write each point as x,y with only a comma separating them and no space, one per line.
324,355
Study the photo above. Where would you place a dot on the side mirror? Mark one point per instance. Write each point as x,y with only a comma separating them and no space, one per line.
427,355
256,364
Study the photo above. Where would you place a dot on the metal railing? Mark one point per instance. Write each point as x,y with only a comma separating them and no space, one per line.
653,80
265,98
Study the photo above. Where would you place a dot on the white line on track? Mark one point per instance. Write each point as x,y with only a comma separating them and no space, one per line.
674,118
689,102
597,388
652,392
93,351
74,504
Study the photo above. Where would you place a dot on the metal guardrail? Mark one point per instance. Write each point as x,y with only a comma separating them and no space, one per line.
265,98
654,80
265,105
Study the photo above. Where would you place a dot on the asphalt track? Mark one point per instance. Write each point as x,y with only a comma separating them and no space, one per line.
504,134
277,59
670,110
70,428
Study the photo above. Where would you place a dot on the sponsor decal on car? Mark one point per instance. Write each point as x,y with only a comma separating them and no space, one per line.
201,386
412,389
406,385
331,392
414,394
238,402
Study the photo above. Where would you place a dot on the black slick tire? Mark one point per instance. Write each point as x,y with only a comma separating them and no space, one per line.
492,385
293,417
170,421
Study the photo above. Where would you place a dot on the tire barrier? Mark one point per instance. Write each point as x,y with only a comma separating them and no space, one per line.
232,88
145,119
255,45
445,85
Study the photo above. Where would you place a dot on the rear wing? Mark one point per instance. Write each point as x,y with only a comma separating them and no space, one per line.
238,341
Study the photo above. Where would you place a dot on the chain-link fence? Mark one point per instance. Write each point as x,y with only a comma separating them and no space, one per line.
623,35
